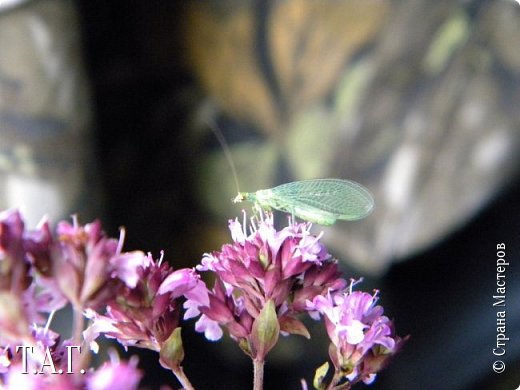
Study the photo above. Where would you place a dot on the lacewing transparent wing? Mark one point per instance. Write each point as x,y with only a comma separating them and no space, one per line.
321,201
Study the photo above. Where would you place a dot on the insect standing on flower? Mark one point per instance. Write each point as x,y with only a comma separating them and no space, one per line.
321,201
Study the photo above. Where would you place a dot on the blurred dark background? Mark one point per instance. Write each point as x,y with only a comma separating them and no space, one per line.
401,92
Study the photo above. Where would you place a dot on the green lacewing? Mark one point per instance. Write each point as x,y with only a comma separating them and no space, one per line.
321,201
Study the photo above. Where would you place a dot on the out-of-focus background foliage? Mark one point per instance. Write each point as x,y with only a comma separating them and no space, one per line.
104,109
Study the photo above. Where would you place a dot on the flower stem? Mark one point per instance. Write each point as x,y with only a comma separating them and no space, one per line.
182,378
258,366
334,383
78,324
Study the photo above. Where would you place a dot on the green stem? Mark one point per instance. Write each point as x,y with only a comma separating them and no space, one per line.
182,378
258,366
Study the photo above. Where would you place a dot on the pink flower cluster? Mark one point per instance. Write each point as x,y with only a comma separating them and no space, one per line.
264,282
291,270
286,267
362,338
127,295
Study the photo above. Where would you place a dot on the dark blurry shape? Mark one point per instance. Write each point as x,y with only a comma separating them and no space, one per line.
44,112
416,100
444,298
264,61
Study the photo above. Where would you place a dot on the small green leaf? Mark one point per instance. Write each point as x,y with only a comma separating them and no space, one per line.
245,346
319,376
265,331
172,351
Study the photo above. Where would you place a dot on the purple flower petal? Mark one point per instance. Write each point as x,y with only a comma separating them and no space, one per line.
211,329
115,375
126,266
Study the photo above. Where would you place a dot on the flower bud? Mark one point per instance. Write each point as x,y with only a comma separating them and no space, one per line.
172,351
265,331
